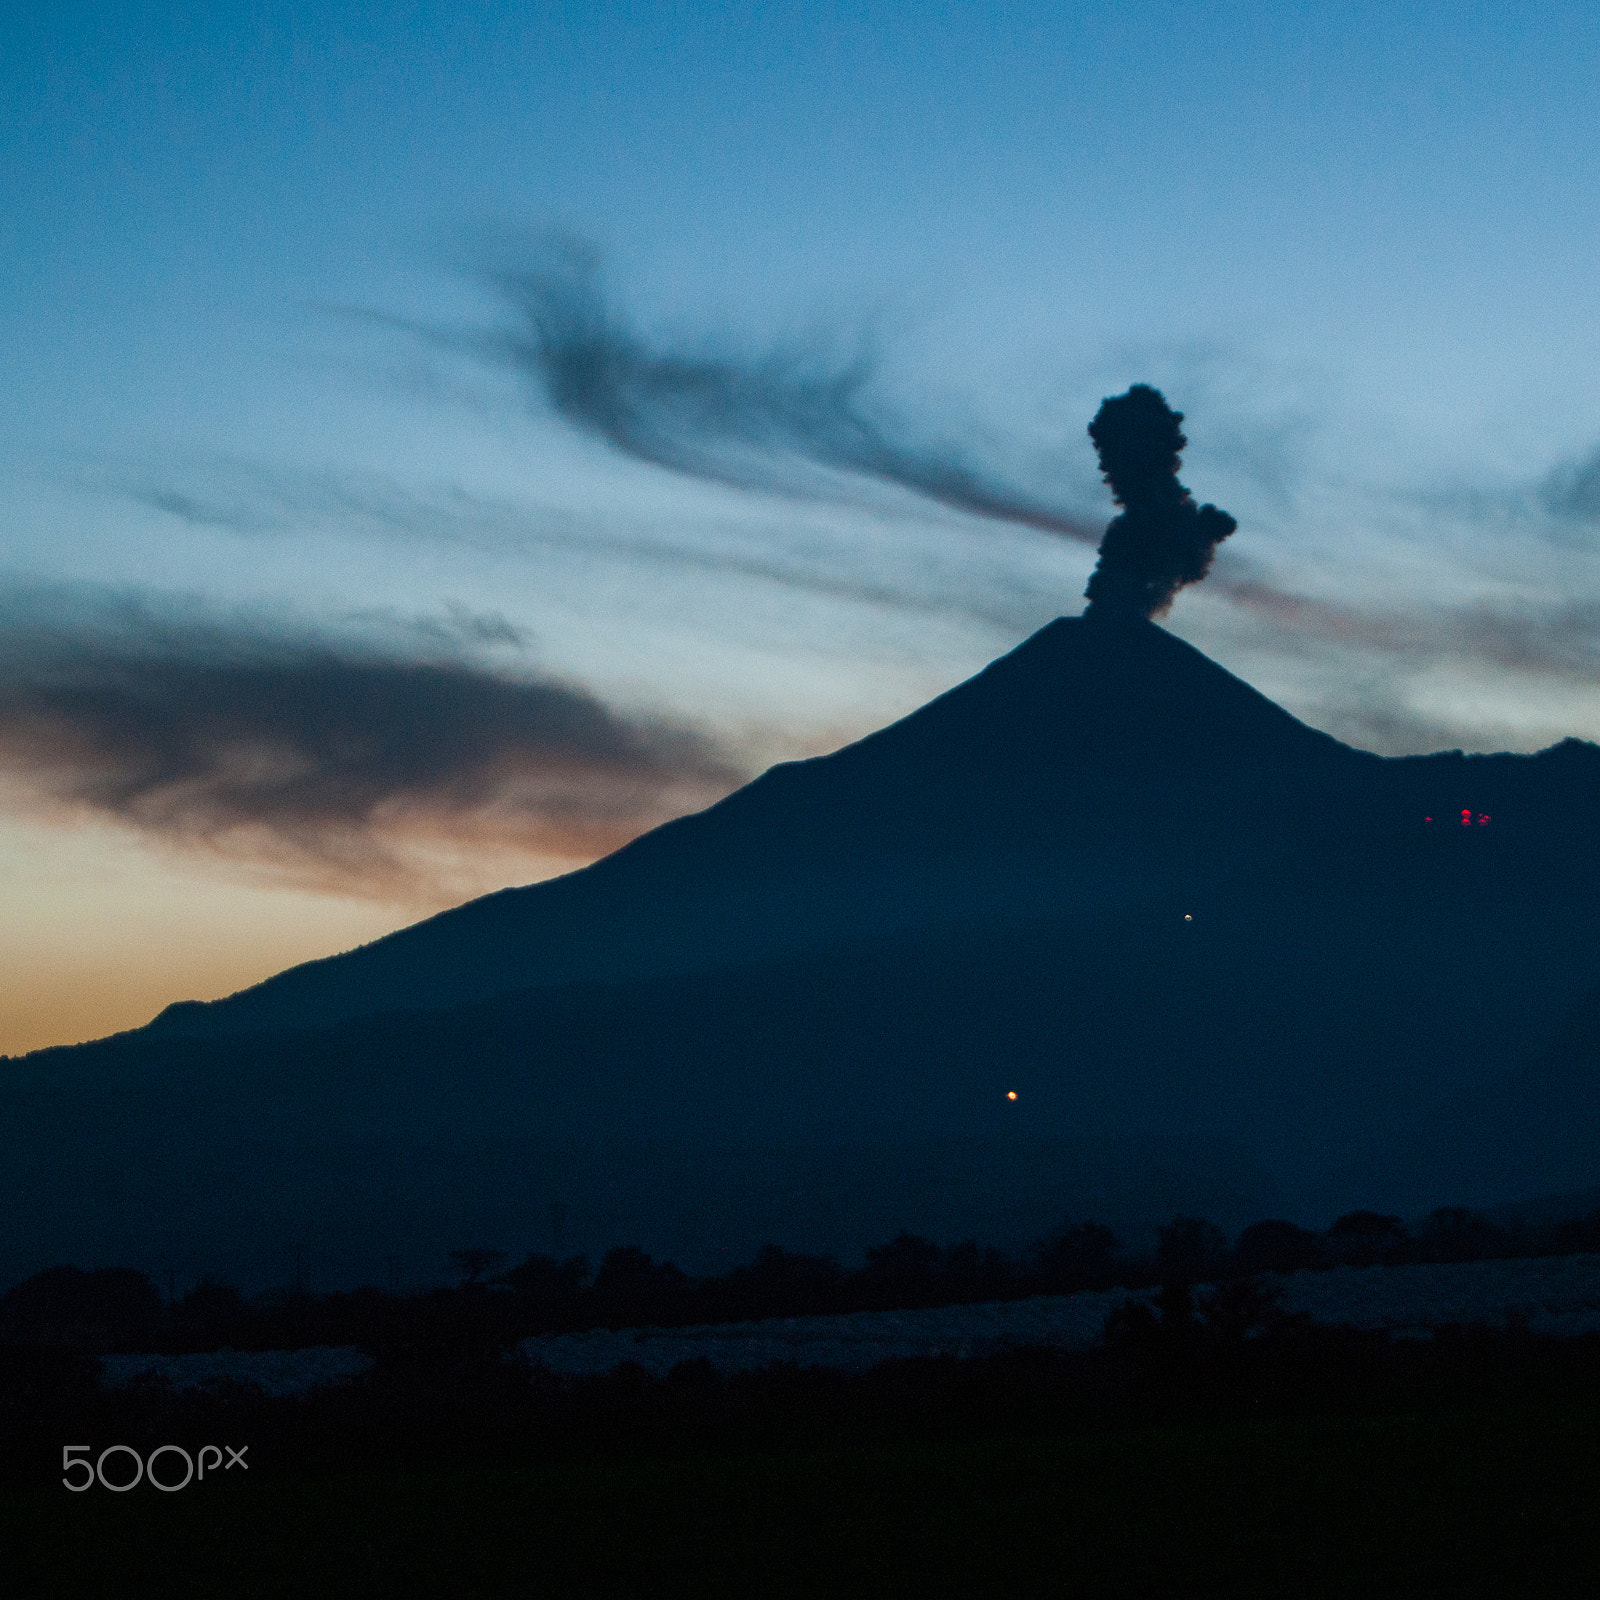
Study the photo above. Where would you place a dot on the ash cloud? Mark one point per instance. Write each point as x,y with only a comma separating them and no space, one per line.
328,756
744,421
1162,540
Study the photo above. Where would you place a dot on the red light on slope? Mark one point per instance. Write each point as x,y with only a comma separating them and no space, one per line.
1466,819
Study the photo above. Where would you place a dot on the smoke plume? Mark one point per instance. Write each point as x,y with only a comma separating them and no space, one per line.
1162,540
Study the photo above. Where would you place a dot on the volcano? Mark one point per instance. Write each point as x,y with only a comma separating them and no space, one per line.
1102,931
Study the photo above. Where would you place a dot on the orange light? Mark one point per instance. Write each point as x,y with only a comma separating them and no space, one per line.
1011,1094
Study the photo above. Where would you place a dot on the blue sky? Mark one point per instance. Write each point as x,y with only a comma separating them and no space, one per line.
286,462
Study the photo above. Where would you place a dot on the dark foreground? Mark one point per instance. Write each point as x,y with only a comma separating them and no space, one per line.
1197,1457
1486,1502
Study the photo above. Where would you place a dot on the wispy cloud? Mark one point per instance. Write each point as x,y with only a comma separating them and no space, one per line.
1555,637
1380,719
329,754
1559,508
197,512
1571,491
776,421
254,500
251,498
1505,671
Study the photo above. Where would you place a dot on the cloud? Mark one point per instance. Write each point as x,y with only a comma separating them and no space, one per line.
1380,720
1571,491
1399,677
1552,637
1562,507
778,422
250,499
1257,419
335,757
196,512
1249,586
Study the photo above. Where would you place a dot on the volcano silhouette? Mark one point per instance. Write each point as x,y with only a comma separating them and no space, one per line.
1096,760
1222,962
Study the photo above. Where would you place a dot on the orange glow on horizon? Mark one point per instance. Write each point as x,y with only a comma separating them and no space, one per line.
97,935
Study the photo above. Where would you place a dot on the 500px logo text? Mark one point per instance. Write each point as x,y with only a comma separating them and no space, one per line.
129,1468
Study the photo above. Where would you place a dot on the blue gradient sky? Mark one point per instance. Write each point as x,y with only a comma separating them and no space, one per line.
270,414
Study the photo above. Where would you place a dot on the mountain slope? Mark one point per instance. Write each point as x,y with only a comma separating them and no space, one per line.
1226,963
1090,760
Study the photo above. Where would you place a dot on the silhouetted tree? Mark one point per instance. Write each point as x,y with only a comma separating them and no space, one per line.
1274,1246
631,1287
908,1271
779,1283
973,1273
98,1310
1366,1238
209,1315
546,1282
1077,1257
1175,1303
1453,1233
473,1263
1191,1250
1575,1235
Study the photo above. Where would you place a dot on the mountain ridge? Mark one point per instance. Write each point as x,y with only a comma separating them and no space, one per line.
821,803
1224,962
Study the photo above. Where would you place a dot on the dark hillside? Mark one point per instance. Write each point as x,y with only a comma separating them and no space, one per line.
1095,758
1226,964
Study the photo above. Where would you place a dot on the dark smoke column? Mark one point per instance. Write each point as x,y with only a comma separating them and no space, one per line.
1162,540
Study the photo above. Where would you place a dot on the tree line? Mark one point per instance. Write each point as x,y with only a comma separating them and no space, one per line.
120,1309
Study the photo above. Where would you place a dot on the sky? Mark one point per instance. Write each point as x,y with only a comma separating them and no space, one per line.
442,441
